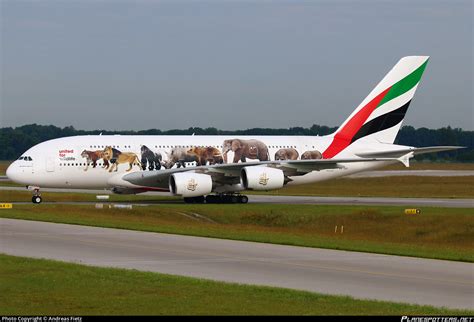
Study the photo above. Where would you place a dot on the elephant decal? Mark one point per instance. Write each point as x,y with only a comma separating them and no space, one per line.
286,154
311,155
251,149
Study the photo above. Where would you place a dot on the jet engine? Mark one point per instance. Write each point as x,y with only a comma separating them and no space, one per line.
190,184
261,178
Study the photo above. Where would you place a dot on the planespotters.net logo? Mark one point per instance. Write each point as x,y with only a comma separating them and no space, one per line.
437,319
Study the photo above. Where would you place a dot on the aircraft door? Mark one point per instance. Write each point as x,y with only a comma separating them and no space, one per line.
49,164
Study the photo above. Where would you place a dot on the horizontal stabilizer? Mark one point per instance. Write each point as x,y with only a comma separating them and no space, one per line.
402,152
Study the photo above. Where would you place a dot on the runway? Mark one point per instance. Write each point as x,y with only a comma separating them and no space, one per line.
361,275
354,201
267,199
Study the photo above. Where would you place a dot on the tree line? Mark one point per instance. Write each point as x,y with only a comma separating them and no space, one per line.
15,141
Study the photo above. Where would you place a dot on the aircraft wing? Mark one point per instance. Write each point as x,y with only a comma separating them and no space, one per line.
230,173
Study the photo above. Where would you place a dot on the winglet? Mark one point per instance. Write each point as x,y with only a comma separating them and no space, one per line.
405,159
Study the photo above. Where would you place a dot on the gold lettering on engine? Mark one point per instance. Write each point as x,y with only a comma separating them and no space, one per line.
263,180
192,184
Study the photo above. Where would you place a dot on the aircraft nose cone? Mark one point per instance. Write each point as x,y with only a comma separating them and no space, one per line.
13,172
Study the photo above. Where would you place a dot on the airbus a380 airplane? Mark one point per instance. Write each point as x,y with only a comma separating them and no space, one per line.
195,167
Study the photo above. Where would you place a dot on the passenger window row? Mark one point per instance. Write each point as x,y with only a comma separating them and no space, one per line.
185,146
82,164
114,146
156,146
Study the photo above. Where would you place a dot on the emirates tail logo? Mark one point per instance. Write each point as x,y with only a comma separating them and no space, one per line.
263,180
192,184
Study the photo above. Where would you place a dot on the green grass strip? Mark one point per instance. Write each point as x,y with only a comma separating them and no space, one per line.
44,287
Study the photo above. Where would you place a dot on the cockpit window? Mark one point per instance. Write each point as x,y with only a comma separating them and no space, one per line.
30,159
20,158
25,158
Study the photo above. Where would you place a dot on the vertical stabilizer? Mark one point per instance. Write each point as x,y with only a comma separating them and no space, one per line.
381,113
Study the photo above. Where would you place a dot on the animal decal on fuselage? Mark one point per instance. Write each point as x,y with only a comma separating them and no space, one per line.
286,154
124,157
243,149
92,157
154,159
206,154
311,155
180,157
199,155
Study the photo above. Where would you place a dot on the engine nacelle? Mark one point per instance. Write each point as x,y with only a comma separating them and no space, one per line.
261,178
190,184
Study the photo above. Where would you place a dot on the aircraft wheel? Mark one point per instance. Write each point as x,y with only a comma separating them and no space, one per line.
36,199
225,199
212,199
199,199
244,199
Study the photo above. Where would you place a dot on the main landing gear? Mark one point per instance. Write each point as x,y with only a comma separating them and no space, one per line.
36,196
219,198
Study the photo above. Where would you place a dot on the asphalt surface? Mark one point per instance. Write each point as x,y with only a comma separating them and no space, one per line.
361,275
266,199
416,202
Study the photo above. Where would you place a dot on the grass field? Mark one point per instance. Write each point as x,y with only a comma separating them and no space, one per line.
43,287
441,233
403,186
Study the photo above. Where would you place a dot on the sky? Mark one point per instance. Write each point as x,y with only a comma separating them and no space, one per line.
135,65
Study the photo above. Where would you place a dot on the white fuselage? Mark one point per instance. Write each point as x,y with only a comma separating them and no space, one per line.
58,163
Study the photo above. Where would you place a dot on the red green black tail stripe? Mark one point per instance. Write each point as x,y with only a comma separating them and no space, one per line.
343,138
382,122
